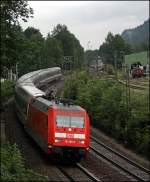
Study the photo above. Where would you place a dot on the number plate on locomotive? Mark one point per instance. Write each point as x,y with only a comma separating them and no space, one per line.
70,135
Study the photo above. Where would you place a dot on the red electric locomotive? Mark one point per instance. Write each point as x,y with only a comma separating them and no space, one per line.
57,127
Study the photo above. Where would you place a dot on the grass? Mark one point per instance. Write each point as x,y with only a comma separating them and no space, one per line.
137,57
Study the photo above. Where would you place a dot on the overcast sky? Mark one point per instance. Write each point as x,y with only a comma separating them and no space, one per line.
88,20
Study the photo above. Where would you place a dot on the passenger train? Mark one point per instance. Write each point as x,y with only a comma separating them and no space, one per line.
56,126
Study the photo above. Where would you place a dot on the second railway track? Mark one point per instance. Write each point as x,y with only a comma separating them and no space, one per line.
135,86
131,168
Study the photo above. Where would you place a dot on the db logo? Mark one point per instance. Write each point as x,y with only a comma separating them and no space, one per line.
69,135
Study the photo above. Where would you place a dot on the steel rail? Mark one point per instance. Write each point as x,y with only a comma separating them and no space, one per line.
89,174
81,168
65,173
118,165
133,86
120,155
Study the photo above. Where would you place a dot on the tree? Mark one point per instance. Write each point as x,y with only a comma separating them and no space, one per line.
30,31
13,46
11,36
11,11
33,54
69,44
53,52
113,44
90,56
59,29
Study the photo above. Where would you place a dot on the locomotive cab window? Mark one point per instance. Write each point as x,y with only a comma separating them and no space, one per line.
77,122
70,121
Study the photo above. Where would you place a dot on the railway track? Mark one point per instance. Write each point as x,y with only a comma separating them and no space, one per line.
131,168
134,86
141,85
77,173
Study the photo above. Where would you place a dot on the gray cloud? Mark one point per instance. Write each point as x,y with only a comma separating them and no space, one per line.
89,20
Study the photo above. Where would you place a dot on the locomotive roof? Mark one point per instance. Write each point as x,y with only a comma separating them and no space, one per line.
61,106
41,101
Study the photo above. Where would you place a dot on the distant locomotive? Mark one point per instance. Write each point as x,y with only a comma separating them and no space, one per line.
137,70
56,126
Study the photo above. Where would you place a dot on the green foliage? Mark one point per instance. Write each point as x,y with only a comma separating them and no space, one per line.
113,44
32,57
72,85
7,90
109,69
12,47
32,52
13,167
53,52
11,37
28,48
104,101
138,135
90,56
12,10
69,44
70,90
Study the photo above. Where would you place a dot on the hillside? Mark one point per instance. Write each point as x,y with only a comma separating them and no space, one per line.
137,57
137,35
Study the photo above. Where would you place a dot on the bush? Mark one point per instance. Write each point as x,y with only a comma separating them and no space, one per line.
7,89
138,135
74,83
104,102
109,69
13,168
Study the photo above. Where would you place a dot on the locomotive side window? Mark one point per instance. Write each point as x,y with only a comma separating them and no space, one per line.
68,121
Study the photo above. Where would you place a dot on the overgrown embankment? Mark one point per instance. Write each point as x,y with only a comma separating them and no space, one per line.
7,90
13,167
105,101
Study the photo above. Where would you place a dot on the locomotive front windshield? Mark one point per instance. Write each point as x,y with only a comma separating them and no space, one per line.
70,121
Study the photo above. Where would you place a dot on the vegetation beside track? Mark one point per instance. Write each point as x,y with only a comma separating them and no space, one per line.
105,101
13,167
7,90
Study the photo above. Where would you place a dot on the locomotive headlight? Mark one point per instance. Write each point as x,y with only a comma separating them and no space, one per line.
82,142
50,146
58,140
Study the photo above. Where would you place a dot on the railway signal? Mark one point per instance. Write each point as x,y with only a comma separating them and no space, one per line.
68,62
